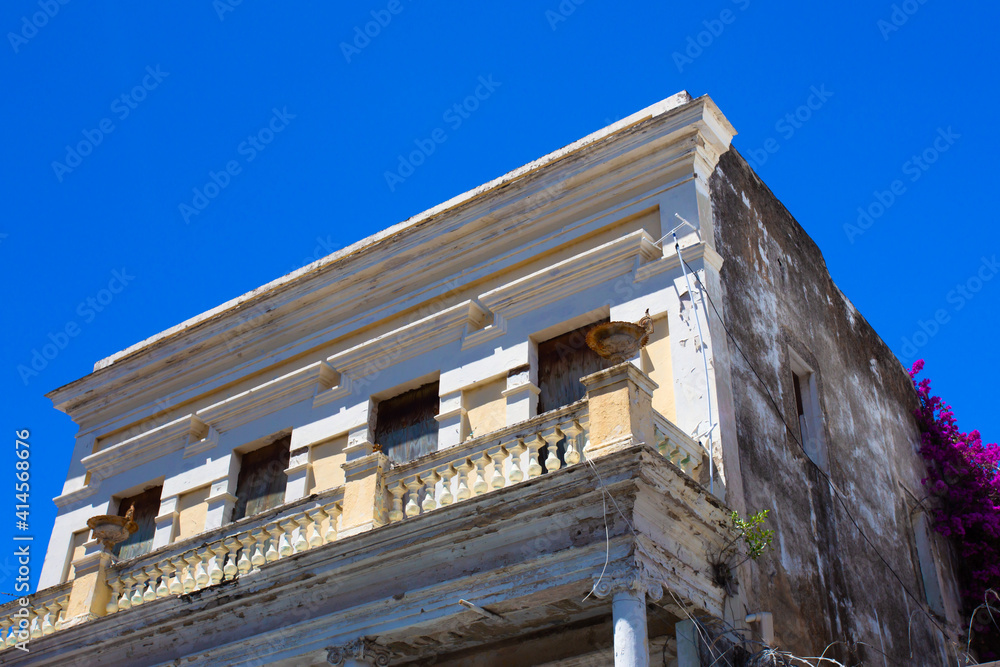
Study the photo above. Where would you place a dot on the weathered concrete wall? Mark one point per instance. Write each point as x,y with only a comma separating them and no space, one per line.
823,583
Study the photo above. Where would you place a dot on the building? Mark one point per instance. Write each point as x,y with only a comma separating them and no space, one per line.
406,453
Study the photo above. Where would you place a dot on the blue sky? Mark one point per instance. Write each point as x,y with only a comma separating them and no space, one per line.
161,160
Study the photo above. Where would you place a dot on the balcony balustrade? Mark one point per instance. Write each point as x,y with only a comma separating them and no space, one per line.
516,454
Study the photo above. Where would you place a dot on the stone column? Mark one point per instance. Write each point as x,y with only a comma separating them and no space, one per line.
364,487
451,420
88,598
522,395
620,403
166,522
688,651
297,472
628,589
221,503
359,653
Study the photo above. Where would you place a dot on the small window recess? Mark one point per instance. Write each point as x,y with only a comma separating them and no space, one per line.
807,410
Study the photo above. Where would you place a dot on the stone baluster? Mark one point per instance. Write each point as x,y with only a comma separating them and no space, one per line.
301,542
125,600
412,508
213,555
5,630
333,510
49,617
573,431
201,575
516,448
140,577
430,480
176,585
445,498
316,518
192,571
36,626
272,554
398,492
463,468
163,588
116,586
534,443
230,569
552,438
480,486
149,594
259,536
285,548
247,543
498,456
15,631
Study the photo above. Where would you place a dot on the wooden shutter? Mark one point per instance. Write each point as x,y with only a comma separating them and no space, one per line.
262,479
147,506
405,426
562,361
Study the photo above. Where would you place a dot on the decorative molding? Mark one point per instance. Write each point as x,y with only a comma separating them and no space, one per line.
429,333
669,262
363,649
633,579
202,439
571,276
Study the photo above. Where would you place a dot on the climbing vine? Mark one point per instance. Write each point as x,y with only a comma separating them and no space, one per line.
963,476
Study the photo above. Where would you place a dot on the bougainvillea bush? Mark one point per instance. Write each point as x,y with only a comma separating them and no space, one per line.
963,476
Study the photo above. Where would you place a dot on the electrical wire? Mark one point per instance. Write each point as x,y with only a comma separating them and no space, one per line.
837,492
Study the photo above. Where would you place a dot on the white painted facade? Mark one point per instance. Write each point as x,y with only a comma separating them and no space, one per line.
461,294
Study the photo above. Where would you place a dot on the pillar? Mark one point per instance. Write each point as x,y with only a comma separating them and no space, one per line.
628,587
166,522
522,395
89,595
297,473
620,406
631,638
451,420
688,652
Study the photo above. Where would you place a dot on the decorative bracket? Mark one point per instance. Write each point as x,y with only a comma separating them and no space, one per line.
363,649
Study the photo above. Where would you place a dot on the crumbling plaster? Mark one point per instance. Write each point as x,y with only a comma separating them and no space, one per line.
823,582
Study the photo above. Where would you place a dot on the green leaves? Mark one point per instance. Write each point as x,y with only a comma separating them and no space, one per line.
756,539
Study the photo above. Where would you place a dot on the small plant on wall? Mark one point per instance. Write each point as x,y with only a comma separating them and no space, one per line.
750,540
963,477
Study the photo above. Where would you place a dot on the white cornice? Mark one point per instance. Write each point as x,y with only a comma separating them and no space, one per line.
320,303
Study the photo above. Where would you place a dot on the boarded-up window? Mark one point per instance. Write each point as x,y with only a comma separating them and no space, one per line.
147,506
562,361
262,480
405,425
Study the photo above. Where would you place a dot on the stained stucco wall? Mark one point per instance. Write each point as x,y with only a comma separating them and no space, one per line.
823,583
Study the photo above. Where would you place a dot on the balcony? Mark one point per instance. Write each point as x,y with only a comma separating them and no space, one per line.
546,477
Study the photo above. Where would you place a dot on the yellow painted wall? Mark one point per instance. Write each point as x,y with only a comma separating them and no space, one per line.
327,459
76,551
656,362
191,509
486,407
